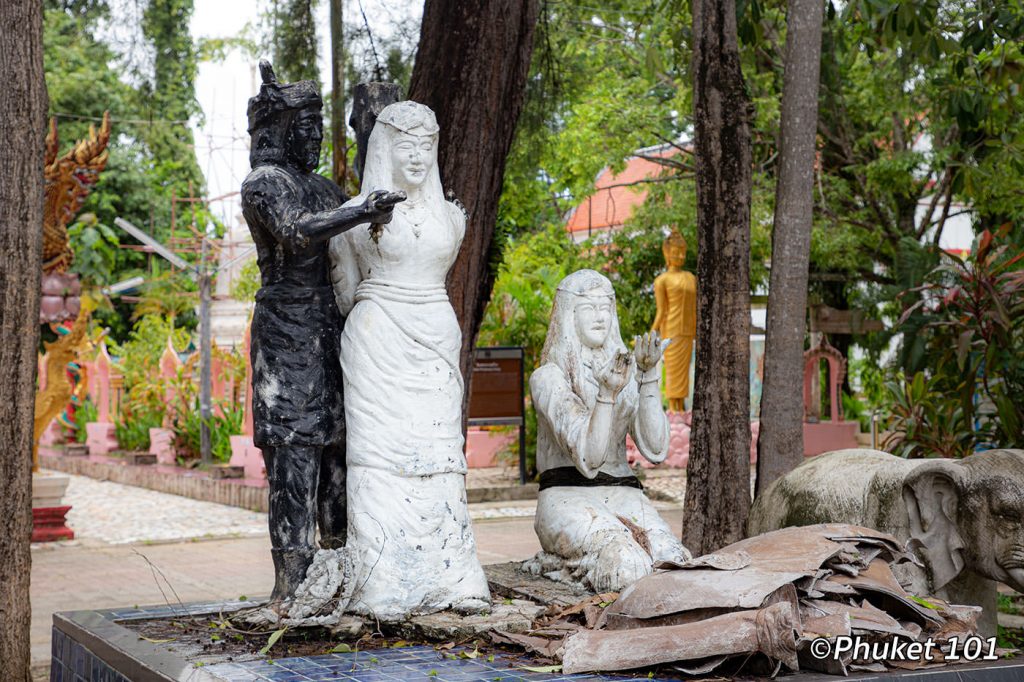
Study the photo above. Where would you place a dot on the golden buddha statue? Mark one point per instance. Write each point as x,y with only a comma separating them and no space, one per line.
675,292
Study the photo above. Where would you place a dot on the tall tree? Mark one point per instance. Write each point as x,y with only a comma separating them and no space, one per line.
338,152
170,94
718,474
471,69
23,124
293,40
781,439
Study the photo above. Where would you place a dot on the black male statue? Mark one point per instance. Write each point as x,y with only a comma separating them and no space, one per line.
292,212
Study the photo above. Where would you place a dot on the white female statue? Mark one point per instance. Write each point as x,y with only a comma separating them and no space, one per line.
409,531
596,526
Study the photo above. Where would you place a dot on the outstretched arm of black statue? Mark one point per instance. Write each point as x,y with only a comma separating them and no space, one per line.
291,222
318,227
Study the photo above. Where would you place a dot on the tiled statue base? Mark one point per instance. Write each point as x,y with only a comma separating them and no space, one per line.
93,646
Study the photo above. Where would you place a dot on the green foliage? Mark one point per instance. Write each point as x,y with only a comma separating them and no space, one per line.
521,301
133,430
1007,604
83,82
968,325
84,413
291,39
1009,638
145,403
218,49
95,247
173,296
247,283
139,358
524,291
925,422
868,378
168,94
151,149
958,66
187,432
631,260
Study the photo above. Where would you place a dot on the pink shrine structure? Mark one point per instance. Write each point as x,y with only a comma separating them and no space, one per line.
104,384
836,433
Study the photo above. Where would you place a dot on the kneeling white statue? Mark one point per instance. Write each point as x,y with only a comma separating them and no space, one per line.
596,527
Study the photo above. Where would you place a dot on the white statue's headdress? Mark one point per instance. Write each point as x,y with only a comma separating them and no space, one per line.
409,117
395,120
563,346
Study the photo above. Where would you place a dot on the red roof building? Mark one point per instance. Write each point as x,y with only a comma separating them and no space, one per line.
617,195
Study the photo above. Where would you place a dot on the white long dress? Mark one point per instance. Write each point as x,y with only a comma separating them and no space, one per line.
409,531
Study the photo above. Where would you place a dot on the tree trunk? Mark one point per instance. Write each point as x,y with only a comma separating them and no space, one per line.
471,69
339,166
23,120
718,473
781,442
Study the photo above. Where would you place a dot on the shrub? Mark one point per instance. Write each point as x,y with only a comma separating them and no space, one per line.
187,432
84,413
133,430
970,327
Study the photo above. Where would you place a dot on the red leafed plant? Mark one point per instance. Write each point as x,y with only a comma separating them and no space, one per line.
971,312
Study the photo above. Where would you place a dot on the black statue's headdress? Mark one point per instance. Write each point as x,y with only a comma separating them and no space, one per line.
271,112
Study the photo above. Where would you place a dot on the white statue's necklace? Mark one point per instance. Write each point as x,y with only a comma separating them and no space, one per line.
416,213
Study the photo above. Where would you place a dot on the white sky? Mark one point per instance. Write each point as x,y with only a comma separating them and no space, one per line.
223,89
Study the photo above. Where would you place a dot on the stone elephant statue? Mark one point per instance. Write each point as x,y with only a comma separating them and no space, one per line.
964,519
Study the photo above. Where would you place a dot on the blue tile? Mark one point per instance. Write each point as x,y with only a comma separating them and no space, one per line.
327,675
81,662
297,664
66,654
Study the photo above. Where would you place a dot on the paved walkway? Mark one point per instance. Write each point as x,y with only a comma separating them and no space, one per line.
140,547
111,513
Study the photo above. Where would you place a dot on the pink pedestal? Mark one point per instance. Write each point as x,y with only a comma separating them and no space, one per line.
679,443
100,438
161,444
482,447
246,455
53,435
827,436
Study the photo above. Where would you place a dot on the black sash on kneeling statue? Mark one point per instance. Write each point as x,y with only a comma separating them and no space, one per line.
571,476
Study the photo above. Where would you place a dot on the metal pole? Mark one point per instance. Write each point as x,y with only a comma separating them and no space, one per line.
205,411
